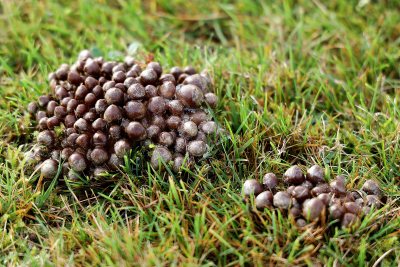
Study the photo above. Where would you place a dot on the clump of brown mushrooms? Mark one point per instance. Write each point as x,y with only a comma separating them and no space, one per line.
99,110
309,198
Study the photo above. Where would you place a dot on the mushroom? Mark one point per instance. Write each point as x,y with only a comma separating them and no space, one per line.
252,187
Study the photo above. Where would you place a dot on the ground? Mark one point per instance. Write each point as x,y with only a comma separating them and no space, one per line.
299,82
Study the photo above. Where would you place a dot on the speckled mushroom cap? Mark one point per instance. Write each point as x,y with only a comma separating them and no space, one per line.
99,110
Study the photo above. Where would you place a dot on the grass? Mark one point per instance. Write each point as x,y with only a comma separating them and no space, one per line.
300,82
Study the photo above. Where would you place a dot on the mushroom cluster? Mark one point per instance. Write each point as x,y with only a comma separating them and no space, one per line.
99,110
309,198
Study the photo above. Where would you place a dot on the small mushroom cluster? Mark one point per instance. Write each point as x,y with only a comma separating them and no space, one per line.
309,198
99,110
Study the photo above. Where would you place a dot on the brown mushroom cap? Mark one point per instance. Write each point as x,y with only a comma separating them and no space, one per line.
49,168
197,148
160,154
211,99
270,181
293,175
282,200
190,96
46,138
135,131
197,80
301,193
189,129
157,105
112,114
348,220
336,211
264,200
121,147
315,174
338,187
371,187
99,156
135,110
252,187
312,209
77,162
319,189
373,200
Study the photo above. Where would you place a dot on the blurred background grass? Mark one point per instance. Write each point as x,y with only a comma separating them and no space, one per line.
300,82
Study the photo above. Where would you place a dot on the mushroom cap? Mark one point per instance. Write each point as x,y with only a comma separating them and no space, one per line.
197,148
157,105
252,187
160,154
373,200
178,163
190,96
121,147
77,162
315,174
338,187
46,138
135,131
189,129
49,168
99,156
211,99
197,80
282,200
270,180
319,189
293,175
371,187
352,207
336,211
264,200
312,209
112,114
348,220
301,193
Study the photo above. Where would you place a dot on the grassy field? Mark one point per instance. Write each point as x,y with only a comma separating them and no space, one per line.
300,82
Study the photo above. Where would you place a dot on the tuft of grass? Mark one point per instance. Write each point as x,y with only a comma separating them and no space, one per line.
299,82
